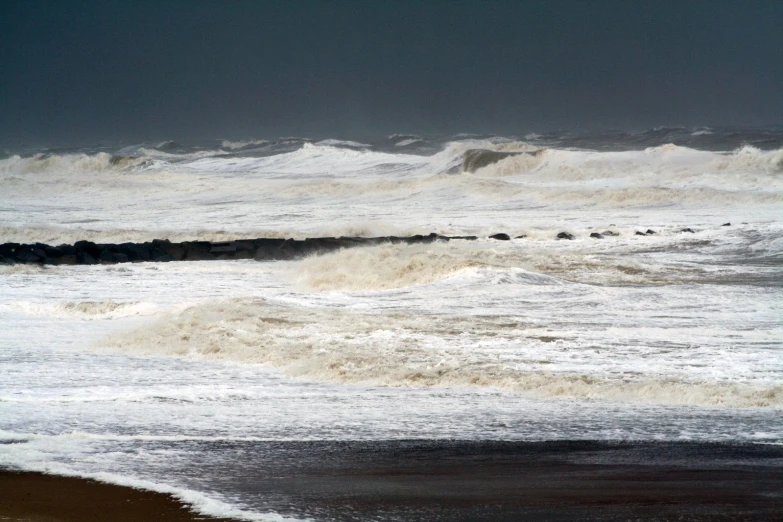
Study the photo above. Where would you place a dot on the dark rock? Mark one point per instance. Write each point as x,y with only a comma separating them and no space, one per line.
67,259
25,255
501,236
156,253
88,247
689,230
243,254
565,235
8,249
523,236
637,233
475,159
176,250
39,252
5,260
67,249
53,252
198,251
222,247
650,232
165,258
467,238
136,251
288,249
726,225
596,235
247,246
85,259
108,257
610,233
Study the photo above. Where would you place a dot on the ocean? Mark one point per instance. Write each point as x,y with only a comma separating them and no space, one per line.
190,377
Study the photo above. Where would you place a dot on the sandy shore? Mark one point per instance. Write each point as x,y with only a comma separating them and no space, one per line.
35,497
429,481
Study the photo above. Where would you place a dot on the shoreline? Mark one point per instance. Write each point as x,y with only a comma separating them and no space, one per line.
434,480
27,496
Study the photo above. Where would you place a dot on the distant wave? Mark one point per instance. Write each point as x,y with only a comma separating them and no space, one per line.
245,189
238,145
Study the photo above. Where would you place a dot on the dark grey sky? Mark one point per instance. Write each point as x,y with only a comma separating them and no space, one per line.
72,72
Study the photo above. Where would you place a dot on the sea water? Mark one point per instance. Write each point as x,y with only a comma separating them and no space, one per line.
149,374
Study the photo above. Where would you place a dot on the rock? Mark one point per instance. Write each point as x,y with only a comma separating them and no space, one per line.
85,259
5,260
198,251
108,257
688,230
637,233
289,249
165,258
67,259
222,247
475,159
596,235
176,250
610,233
135,251
247,246
650,232
243,254
53,252
158,254
25,255
523,236
67,249
565,235
88,247
501,236
726,225
8,249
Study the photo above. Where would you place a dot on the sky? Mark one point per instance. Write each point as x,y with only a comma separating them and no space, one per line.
81,72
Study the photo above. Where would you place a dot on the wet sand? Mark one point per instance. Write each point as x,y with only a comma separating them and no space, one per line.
448,481
35,497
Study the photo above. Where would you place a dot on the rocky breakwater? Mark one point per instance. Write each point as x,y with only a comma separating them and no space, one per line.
163,250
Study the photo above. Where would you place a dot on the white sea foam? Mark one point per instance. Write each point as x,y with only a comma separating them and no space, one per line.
234,145
31,460
397,349
671,335
407,141
398,266
81,309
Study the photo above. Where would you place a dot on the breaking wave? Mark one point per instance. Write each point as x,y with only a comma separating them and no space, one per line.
82,309
392,266
327,170
69,163
403,350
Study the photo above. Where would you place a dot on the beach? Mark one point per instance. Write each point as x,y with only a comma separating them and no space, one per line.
461,481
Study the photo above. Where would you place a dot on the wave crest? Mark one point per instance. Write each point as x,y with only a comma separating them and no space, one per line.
398,350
